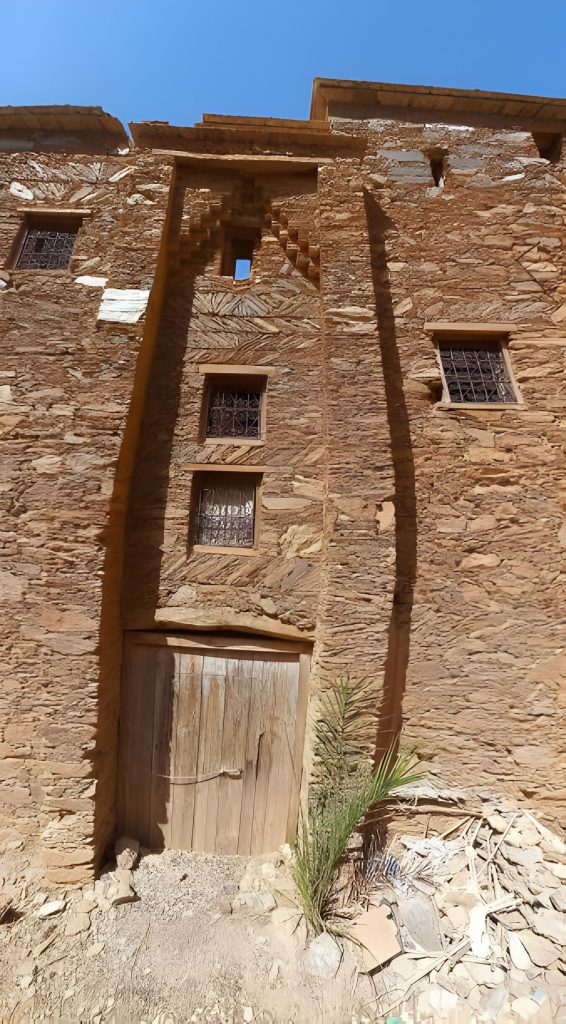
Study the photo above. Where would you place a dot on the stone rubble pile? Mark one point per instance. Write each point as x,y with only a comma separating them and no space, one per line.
482,923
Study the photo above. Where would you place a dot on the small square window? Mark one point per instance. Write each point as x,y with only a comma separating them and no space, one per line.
234,411
476,372
47,245
238,255
225,510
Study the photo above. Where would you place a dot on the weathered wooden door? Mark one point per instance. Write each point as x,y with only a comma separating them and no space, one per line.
211,744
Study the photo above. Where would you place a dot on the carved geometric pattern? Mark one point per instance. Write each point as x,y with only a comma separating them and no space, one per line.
296,242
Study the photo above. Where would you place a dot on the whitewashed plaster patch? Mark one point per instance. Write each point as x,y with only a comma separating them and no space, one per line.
123,305
91,282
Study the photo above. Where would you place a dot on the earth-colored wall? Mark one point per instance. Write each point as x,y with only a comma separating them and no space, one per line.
66,387
481,534
417,545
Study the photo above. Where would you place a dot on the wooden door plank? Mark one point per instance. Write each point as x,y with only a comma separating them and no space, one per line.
160,807
264,756
209,754
251,756
299,751
136,737
281,779
234,735
186,729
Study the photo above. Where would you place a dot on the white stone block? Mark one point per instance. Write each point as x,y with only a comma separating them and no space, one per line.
123,305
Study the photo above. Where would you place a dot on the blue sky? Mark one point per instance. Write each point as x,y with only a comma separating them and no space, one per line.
170,60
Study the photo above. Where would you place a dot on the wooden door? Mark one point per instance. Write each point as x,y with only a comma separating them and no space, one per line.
211,743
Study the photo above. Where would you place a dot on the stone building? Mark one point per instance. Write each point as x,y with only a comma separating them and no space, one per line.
280,401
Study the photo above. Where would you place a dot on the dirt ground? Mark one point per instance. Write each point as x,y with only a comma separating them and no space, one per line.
470,929
178,954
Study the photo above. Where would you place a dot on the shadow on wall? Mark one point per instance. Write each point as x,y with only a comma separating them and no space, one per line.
391,712
134,537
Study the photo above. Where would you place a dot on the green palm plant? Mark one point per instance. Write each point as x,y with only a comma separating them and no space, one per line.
346,788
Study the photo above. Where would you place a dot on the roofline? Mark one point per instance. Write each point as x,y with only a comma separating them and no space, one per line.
52,126
396,100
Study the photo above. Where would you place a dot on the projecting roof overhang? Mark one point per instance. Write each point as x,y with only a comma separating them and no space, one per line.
223,134
64,129
338,97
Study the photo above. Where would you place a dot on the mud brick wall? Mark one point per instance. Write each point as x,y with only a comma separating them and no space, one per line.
475,673
65,390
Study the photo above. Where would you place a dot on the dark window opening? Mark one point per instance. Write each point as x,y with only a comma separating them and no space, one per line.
47,246
437,170
476,373
233,412
226,512
549,145
239,255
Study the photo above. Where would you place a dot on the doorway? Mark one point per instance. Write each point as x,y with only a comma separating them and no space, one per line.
211,741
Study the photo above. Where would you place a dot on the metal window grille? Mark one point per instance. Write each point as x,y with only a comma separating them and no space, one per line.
46,249
234,414
476,373
226,514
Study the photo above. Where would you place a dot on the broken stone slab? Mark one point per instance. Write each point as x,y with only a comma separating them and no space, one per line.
550,924
420,919
542,952
493,1001
123,891
519,956
512,920
323,957
526,858
525,1008
126,851
407,967
51,908
484,974
77,923
85,906
376,930
558,899
254,902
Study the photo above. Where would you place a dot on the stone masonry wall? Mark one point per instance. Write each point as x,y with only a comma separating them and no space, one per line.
65,390
480,533
416,544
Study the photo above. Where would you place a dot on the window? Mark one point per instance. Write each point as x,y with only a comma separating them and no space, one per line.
233,412
47,245
476,372
225,510
549,145
239,254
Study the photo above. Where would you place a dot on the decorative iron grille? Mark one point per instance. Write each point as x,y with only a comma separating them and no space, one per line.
234,413
226,514
476,373
47,249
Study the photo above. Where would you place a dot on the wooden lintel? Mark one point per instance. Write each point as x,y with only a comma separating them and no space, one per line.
225,467
252,161
54,211
461,327
240,369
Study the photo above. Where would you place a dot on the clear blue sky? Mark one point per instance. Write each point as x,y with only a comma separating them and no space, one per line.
170,60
